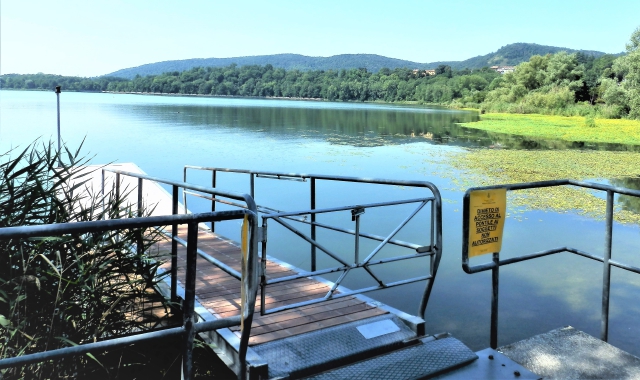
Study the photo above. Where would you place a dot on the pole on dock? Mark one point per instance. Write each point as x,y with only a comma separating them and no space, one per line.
59,151
495,280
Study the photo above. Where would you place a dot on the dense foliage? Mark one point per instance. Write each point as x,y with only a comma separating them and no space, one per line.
49,82
71,289
346,85
514,54
562,83
572,84
511,54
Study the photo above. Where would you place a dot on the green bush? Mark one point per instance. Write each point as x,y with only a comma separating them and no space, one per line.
72,289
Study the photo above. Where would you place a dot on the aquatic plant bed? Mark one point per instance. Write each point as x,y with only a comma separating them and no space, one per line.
485,167
574,128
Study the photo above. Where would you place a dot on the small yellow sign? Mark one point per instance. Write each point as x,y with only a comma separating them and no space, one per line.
244,241
244,237
487,210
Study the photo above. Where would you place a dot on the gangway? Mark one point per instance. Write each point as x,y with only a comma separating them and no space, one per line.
304,325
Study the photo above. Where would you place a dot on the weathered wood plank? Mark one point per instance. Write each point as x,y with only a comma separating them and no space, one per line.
220,293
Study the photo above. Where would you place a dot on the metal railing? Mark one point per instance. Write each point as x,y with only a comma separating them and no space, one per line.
175,239
497,263
189,327
432,250
175,195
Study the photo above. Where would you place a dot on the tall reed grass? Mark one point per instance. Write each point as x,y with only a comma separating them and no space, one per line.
72,289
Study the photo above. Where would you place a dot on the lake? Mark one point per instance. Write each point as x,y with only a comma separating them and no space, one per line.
162,133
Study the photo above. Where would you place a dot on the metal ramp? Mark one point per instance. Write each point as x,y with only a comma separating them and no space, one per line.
426,358
329,348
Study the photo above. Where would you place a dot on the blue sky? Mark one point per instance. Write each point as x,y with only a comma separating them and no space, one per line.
90,38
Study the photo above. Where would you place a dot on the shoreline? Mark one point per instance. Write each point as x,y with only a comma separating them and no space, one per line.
410,103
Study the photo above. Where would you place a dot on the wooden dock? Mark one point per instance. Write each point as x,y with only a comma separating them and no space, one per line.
350,337
218,293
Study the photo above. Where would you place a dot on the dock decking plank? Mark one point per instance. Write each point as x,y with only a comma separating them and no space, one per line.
219,293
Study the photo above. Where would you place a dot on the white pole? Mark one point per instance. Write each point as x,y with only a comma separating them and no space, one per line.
59,151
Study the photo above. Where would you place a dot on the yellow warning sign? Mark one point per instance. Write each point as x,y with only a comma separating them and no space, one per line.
244,237
487,210
244,241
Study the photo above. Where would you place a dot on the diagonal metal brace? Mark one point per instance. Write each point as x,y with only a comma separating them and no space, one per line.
311,241
395,231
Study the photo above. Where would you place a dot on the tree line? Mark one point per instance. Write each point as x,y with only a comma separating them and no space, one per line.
387,85
561,83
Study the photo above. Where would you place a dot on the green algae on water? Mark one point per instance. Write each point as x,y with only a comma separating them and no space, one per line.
484,167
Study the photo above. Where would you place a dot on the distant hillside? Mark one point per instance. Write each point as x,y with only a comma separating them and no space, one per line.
372,62
513,54
507,55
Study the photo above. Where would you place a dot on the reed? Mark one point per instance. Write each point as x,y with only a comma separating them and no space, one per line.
72,289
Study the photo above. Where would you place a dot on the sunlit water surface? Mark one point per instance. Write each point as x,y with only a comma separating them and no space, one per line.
161,134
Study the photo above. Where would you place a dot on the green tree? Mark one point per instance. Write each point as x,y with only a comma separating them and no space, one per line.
634,41
627,68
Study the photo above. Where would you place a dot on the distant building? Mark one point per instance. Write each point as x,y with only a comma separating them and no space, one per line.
423,73
503,69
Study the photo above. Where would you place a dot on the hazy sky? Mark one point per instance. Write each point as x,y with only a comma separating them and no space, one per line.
95,37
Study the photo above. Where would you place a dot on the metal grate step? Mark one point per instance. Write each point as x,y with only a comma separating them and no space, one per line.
312,352
427,358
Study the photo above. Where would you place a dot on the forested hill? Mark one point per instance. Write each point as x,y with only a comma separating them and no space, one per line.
371,62
512,54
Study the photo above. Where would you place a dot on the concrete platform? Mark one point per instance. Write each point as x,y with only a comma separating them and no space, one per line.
567,353
490,365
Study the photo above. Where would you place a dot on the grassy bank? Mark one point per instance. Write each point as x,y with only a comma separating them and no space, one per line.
574,128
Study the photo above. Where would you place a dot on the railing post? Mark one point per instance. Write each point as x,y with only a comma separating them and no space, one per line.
118,187
184,194
140,247
313,226
189,301
253,185
357,253
355,216
104,211
433,227
495,277
139,197
263,268
174,246
213,202
606,275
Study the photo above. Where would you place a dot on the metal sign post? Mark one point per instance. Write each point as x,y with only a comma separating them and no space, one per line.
59,151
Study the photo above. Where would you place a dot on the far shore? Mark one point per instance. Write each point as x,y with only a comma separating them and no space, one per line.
407,102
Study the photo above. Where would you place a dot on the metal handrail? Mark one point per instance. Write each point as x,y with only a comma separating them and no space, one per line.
496,262
249,204
176,185
434,250
189,327
346,267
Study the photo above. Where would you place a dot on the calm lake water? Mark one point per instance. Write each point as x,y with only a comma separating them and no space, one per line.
161,134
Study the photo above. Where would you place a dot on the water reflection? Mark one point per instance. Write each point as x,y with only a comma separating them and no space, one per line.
360,125
627,202
162,133
364,125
